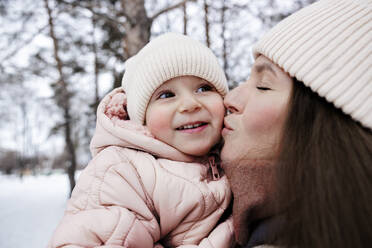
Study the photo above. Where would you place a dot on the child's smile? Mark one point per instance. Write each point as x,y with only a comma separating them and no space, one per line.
195,127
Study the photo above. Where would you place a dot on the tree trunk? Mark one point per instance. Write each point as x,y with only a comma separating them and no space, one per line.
185,19
137,26
206,23
63,100
96,67
224,41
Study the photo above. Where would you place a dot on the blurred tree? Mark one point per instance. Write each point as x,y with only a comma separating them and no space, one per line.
62,97
223,37
8,161
97,65
185,18
206,23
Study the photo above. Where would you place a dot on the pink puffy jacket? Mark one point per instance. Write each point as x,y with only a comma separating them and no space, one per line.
138,191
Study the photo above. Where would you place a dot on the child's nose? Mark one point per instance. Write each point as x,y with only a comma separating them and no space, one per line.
189,104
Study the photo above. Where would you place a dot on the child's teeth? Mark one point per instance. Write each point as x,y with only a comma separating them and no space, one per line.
191,126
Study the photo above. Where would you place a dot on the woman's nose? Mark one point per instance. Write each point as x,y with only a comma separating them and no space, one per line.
233,100
189,104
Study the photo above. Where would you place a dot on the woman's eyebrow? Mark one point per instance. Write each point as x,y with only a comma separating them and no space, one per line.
264,67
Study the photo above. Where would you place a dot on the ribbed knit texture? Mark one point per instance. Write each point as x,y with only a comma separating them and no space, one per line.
328,46
166,57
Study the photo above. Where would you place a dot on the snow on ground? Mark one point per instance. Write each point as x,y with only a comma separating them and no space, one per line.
30,209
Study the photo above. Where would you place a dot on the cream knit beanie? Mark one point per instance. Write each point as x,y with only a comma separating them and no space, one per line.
328,46
165,57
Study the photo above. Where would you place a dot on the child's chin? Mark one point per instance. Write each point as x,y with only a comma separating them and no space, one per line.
197,152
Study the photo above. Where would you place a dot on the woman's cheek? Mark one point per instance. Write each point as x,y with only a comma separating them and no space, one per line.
262,120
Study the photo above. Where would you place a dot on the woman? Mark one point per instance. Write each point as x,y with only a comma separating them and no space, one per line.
298,136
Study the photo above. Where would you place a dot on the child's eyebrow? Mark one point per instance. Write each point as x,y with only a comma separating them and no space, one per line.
264,67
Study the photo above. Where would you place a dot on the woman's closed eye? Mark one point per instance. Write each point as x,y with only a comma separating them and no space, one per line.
204,88
263,88
165,94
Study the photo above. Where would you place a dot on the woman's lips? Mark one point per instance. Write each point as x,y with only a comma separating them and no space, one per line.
227,129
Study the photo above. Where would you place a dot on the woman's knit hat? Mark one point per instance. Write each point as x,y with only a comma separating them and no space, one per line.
165,57
328,47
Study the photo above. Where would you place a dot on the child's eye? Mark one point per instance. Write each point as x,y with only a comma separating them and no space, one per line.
166,94
262,88
204,88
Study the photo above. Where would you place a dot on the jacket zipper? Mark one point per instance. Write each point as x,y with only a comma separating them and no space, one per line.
214,169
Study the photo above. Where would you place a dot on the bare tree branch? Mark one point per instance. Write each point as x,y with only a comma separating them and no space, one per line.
101,15
169,8
23,44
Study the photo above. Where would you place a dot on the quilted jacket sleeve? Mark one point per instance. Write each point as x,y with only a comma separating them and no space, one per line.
221,237
109,207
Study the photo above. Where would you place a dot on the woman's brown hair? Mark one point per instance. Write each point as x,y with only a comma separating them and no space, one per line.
324,175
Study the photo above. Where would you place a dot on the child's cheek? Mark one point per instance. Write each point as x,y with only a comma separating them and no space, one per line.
218,112
158,123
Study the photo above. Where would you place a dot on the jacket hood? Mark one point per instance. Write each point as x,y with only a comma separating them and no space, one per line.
114,128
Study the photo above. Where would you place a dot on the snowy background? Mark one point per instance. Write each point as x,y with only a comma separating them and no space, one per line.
30,209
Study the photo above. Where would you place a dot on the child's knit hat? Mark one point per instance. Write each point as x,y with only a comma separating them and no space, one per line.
328,47
165,57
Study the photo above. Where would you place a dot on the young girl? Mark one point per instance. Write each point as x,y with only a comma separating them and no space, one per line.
152,178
